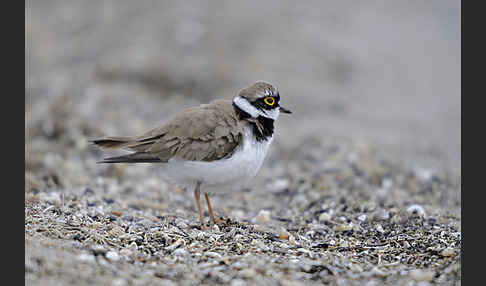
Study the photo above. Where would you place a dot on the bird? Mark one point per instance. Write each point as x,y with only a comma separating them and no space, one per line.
214,147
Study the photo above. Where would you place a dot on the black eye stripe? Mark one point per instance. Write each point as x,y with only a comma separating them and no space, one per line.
260,103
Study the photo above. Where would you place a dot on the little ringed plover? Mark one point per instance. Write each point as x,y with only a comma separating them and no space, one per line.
219,144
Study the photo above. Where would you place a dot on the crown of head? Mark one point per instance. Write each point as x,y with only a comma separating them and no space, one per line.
260,99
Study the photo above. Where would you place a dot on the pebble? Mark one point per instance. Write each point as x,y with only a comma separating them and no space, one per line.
323,217
263,216
283,233
447,252
362,218
112,256
181,223
248,273
98,249
421,275
381,214
416,210
86,257
212,254
424,174
215,228
116,231
180,252
292,283
356,268
52,197
377,272
292,240
238,282
387,183
278,185
126,252
379,228
343,227
119,282
175,245
260,244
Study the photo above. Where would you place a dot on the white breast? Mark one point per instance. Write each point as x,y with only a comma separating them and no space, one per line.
221,175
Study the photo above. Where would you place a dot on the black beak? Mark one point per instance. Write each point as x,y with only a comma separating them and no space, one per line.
284,110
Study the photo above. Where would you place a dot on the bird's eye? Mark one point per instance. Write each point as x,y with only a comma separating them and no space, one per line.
269,100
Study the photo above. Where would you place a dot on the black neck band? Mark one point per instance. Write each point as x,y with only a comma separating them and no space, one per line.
265,123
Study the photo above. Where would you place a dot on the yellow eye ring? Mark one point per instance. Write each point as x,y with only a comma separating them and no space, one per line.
269,100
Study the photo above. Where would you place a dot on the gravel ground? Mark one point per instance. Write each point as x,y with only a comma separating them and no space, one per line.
362,185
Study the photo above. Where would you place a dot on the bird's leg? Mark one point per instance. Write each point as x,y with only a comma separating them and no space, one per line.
214,220
197,194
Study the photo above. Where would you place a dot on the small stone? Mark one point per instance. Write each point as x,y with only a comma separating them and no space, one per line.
248,273
112,256
343,227
283,233
133,246
381,214
126,252
166,282
53,197
424,174
323,217
262,217
180,252
387,183
181,223
447,252
356,268
379,228
175,245
292,240
86,257
260,245
238,282
278,185
215,228
212,254
88,192
119,282
416,210
362,218
98,249
292,283
376,271
421,275
116,231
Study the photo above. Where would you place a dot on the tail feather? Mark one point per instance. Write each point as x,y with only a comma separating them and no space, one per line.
133,158
113,142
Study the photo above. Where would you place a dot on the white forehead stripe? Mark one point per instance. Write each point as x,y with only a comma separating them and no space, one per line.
246,106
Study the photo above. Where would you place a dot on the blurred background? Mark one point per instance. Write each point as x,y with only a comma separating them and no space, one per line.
375,71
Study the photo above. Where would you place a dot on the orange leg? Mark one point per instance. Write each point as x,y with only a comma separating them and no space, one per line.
214,220
197,194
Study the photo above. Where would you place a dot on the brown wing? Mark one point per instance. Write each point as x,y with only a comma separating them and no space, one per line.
204,133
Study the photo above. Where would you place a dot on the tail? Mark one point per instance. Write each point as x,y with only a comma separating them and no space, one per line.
113,142
125,143
133,158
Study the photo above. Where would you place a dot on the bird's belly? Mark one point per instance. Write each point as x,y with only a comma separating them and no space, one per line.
220,175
